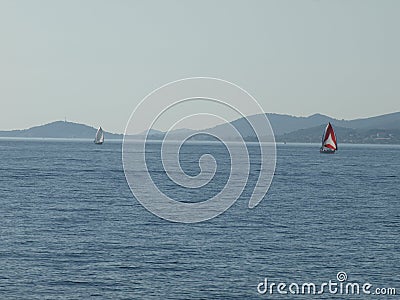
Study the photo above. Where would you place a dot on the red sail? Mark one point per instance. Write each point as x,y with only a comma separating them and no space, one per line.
329,140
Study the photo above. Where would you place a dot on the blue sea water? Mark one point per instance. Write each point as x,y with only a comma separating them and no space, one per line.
71,229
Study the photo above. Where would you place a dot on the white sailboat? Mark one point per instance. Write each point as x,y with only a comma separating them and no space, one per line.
329,143
99,138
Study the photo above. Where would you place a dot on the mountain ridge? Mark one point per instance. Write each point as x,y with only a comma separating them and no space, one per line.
57,129
377,129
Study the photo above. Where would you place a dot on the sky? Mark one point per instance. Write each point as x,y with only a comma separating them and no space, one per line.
93,61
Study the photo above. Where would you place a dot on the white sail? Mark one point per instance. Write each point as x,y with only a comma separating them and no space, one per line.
99,138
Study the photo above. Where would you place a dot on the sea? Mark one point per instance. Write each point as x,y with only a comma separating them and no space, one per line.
70,227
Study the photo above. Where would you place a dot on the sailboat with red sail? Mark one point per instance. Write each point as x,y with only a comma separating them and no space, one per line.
329,143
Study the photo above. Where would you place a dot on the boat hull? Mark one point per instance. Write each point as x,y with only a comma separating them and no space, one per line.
326,151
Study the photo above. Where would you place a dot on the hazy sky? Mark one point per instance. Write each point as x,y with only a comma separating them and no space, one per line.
93,61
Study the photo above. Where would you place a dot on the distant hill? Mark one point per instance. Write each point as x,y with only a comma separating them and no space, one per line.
387,121
282,124
152,132
344,135
379,129
58,129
